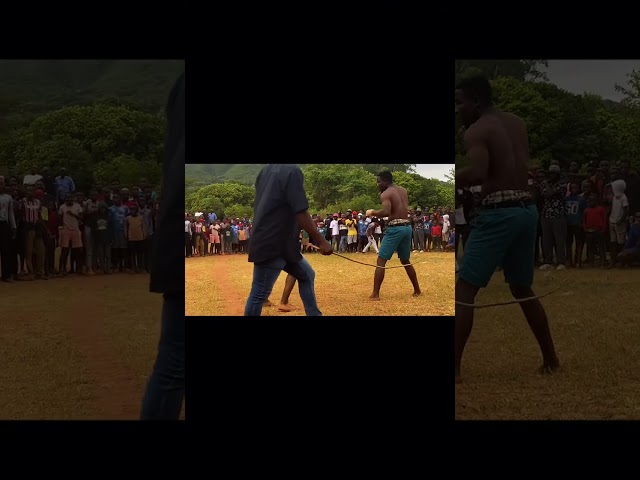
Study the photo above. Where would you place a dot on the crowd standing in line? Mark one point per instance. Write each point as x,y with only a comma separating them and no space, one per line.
348,232
108,229
584,220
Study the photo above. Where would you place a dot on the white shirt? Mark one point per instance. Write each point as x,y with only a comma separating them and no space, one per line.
31,179
187,226
617,208
334,227
460,220
378,229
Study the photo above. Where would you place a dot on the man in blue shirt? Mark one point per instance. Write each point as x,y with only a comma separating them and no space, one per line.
575,205
63,185
281,210
362,233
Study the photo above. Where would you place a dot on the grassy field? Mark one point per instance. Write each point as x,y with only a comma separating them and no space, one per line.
77,348
594,323
220,285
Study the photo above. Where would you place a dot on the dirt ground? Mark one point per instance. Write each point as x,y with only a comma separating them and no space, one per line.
77,347
594,323
220,285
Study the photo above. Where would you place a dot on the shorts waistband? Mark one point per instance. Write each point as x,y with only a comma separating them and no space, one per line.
502,196
507,199
398,222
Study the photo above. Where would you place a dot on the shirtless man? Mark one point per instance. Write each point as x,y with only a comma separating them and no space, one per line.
504,232
395,205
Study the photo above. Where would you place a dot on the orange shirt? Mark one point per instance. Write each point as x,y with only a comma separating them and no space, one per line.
242,234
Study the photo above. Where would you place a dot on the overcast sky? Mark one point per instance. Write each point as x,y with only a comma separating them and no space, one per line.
592,76
428,170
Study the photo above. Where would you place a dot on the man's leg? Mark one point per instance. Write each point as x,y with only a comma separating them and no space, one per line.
569,244
374,244
537,319
388,246
579,245
421,240
465,293
264,277
29,241
165,391
306,278
289,283
404,253
519,275
5,249
412,276
64,243
559,226
39,254
547,241
88,249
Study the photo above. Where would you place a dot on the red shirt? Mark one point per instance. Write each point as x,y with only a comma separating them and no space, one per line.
436,231
595,219
53,222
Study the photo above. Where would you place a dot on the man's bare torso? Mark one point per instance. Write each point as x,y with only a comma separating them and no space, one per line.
399,201
505,136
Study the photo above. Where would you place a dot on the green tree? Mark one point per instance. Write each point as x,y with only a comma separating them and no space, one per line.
492,69
81,138
219,196
630,91
238,211
336,183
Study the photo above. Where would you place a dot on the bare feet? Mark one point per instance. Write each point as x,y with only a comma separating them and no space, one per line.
374,297
549,369
267,304
417,294
284,307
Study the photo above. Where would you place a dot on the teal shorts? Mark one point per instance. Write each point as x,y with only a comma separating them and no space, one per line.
501,237
396,239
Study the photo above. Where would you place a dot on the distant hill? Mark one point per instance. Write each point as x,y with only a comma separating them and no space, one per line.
200,175
29,88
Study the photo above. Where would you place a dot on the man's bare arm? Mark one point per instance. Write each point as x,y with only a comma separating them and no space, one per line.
386,206
478,171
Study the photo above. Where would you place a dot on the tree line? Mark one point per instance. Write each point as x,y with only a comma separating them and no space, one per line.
330,188
562,126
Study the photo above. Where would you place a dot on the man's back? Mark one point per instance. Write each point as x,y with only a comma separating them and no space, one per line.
505,137
279,197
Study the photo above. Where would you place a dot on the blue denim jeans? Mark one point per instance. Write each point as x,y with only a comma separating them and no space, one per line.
165,391
265,276
343,244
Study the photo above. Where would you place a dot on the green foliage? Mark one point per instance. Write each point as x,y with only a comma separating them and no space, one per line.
332,184
518,69
330,188
220,196
238,211
563,126
128,171
112,142
31,88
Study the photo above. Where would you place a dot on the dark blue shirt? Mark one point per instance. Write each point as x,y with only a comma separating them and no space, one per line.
280,196
634,237
574,205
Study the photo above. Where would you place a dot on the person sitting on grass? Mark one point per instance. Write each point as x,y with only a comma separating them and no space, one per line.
451,245
631,251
